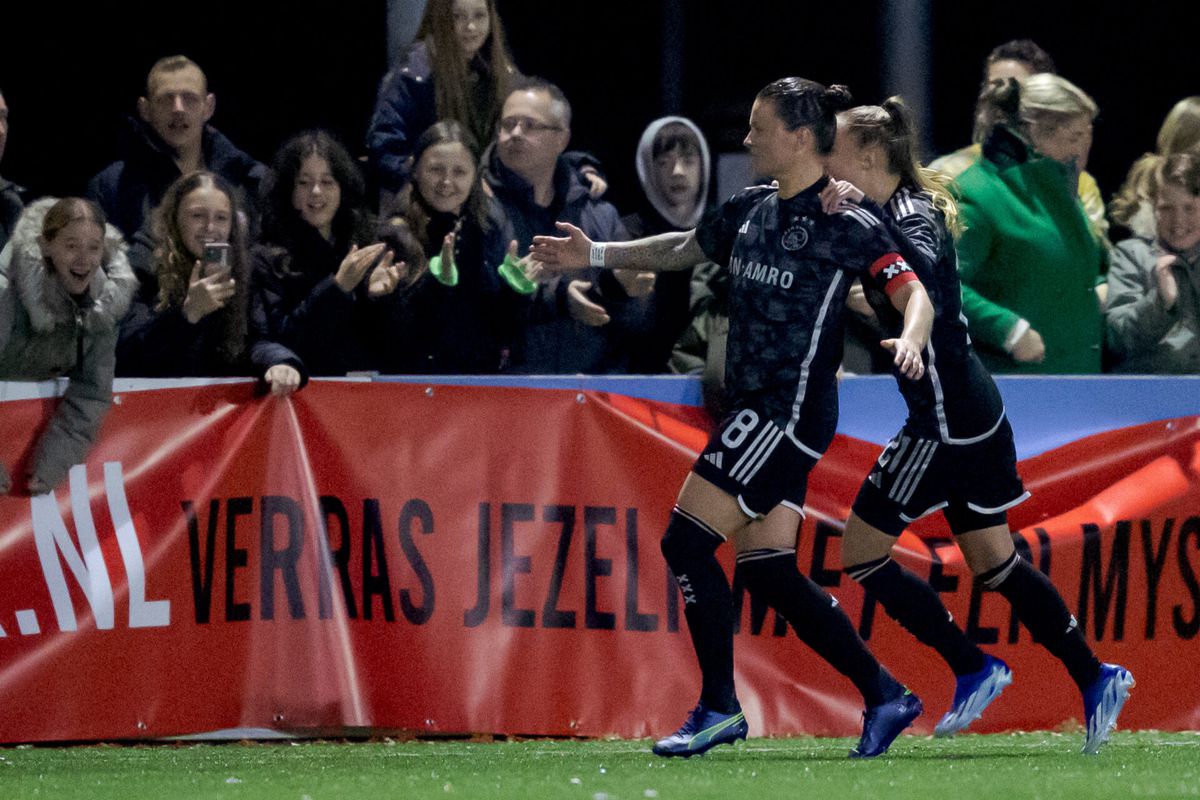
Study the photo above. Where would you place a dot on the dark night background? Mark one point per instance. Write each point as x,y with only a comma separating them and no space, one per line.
70,72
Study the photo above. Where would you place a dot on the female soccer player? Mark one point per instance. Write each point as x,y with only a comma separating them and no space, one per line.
790,270
955,453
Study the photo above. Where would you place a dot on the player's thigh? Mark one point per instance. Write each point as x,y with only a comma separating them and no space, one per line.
778,530
863,542
712,505
986,548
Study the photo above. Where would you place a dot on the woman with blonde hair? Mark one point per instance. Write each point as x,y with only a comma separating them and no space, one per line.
1133,205
1029,262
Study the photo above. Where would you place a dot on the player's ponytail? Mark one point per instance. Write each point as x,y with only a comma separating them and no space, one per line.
891,127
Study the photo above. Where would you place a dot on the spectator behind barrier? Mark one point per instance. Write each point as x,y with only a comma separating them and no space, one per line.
576,322
1019,59
462,316
1153,310
674,169
12,196
316,272
191,314
65,284
1029,262
459,69
1133,208
170,138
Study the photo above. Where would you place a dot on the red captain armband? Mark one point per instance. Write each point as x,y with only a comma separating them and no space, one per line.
892,271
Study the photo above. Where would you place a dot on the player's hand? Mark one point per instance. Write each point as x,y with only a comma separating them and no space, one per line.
582,308
1164,276
206,295
283,379
839,194
1029,349
636,284
572,251
906,357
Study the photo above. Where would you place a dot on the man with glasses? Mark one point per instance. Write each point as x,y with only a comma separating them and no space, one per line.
583,323
172,137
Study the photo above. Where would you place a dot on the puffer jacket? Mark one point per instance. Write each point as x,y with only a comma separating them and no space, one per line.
45,333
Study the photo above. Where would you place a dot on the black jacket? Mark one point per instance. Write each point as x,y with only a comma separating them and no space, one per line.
128,189
12,203
553,342
163,344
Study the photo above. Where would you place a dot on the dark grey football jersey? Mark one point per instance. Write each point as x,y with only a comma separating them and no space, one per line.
790,269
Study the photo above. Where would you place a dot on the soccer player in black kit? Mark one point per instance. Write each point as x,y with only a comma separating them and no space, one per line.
790,269
955,452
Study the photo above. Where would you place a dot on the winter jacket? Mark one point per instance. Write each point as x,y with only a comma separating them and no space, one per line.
405,106
1143,336
1028,258
468,328
295,300
45,333
130,188
12,202
668,311
163,344
553,343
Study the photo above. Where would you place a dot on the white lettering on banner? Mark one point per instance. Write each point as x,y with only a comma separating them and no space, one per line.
52,538
142,613
87,561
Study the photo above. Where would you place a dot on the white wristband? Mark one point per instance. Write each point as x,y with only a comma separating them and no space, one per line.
596,256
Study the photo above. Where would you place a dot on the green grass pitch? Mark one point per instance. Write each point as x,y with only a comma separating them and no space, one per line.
1033,765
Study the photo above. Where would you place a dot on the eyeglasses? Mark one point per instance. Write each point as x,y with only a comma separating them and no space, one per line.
509,124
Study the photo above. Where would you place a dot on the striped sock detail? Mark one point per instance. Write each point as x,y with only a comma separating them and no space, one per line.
699,523
994,577
762,553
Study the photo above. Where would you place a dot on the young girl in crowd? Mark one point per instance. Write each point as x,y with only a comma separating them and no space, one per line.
191,317
790,267
316,272
459,69
461,317
65,284
955,451
1133,205
1153,312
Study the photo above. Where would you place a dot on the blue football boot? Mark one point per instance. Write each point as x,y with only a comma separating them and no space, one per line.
704,730
972,694
1102,702
883,723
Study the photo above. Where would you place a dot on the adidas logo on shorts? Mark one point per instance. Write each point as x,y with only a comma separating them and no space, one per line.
714,459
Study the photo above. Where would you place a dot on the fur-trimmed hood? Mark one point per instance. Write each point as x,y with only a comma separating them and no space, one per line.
45,300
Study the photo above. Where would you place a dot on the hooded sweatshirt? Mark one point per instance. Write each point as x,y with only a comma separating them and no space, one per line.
45,333
669,312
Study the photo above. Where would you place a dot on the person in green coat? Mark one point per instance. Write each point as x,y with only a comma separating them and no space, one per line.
1031,267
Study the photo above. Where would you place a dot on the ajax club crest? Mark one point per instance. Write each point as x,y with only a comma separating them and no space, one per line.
795,237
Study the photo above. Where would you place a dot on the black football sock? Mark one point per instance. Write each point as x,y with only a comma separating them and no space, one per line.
772,576
689,546
915,605
1040,608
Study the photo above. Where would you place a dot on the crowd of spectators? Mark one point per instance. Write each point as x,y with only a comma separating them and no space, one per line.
206,262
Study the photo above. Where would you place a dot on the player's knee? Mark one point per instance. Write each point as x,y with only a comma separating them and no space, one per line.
688,537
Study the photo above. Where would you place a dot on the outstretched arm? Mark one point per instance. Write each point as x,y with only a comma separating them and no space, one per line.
666,252
912,300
